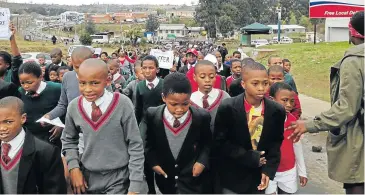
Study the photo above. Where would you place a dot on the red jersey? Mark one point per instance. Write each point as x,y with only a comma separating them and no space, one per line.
229,81
287,160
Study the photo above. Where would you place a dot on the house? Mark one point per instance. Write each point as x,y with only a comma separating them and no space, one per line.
171,31
101,18
181,13
336,29
287,28
195,31
71,16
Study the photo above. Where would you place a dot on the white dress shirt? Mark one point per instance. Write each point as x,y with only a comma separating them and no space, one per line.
154,82
41,88
220,69
16,144
197,97
170,118
116,76
103,102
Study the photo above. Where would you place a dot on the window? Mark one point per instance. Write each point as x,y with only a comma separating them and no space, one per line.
172,31
160,31
178,31
167,31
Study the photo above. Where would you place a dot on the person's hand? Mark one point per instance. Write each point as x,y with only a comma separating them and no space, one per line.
264,182
303,181
157,169
299,129
198,169
78,182
117,86
173,69
44,124
56,133
262,159
12,29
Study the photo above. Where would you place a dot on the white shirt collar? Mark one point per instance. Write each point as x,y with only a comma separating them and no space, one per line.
170,118
197,97
212,94
116,76
41,88
16,143
103,103
60,64
221,68
155,82
100,100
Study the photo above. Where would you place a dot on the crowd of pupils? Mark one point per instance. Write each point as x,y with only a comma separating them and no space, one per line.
207,125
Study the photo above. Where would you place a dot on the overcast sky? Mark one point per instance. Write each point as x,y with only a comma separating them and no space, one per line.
128,2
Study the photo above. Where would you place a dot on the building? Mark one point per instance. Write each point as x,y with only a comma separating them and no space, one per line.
100,18
171,31
287,28
71,16
195,31
181,13
336,29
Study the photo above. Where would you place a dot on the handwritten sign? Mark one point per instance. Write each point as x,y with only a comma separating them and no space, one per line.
165,58
4,24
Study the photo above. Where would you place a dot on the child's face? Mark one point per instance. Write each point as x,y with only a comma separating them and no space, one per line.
237,56
92,82
114,56
219,57
255,83
53,76
287,66
228,58
61,73
29,82
104,57
275,77
205,77
191,58
275,61
139,74
236,68
76,64
149,69
11,122
69,61
41,61
177,103
113,69
285,98
200,57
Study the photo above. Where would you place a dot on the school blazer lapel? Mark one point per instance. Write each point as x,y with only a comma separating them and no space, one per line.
26,161
160,131
193,130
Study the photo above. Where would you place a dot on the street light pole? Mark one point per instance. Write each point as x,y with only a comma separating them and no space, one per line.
278,10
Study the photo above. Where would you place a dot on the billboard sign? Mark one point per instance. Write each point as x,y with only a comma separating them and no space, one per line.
334,8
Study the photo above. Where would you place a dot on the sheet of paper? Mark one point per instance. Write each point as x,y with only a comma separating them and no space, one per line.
56,122
4,24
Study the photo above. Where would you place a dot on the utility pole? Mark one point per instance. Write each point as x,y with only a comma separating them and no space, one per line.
278,11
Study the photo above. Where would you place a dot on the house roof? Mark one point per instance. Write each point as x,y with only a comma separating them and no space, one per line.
172,27
256,28
196,28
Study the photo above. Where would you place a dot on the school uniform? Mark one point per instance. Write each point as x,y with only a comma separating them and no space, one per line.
130,91
229,81
291,163
220,82
213,98
224,71
31,166
235,160
38,104
177,149
11,75
8,89
148,94
118,79
112,161
236,88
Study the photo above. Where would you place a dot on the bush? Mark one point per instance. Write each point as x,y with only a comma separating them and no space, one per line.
86,39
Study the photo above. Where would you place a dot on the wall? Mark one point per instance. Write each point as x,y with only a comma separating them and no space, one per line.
336,29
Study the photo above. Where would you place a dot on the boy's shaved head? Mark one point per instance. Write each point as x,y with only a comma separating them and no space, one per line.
276,68
94,64
113,62
56,51
81,53
203,63
252,66
12,102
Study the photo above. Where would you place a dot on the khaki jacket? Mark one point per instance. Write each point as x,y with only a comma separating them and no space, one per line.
345,142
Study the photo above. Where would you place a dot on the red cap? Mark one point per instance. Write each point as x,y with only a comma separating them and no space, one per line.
193,51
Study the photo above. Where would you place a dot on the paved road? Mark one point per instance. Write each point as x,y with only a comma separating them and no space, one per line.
316,163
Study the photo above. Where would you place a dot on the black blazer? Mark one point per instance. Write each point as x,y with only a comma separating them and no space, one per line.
226,72
236,88
40,169
183,69
8,89
236,164
46,72
196,148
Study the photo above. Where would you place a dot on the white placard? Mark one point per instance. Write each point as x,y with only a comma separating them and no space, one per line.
165,58
4,24
56,122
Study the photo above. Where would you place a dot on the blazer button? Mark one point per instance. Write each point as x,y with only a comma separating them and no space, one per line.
176,177
176,166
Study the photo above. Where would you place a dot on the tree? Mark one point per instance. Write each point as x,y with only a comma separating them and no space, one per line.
85,39
225,24
161,11
152,23
292,18
90,28
304,21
